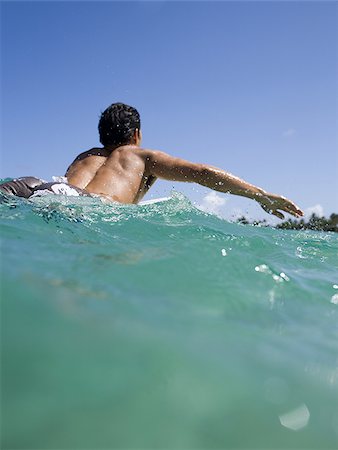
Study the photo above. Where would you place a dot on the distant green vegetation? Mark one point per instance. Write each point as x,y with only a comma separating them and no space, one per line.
313,223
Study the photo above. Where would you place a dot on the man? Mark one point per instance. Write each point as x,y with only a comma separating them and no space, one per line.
123,172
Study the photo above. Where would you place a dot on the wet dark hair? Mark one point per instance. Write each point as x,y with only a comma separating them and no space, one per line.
117,124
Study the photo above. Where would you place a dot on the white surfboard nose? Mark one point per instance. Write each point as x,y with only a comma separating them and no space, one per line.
155,200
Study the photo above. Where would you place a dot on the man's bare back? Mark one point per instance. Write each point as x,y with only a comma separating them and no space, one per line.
120,175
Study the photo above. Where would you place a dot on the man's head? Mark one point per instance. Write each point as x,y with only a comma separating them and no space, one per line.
119,125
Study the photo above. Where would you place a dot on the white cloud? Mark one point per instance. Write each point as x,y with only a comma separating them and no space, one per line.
316,209
289,132
213,202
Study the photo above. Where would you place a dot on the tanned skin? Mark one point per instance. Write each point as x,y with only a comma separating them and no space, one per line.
124,174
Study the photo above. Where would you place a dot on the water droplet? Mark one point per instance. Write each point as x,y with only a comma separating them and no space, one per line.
285,277
262,268
299,252
334,299
296,419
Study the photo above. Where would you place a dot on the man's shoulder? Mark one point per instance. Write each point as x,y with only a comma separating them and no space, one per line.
131,152
95,151
142,152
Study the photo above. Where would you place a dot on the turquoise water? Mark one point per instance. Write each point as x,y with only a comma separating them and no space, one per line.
161,326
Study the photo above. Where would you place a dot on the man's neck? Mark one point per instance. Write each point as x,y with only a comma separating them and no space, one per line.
110,148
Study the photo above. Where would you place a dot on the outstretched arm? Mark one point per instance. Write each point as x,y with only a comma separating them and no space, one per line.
168,167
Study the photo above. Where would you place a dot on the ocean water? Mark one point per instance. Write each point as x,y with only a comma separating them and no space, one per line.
163,327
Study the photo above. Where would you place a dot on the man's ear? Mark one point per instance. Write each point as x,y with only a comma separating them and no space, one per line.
137,136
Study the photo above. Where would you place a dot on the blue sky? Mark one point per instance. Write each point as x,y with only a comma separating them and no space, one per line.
251,87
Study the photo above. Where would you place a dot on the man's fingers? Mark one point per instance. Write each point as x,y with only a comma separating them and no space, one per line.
278,214
266,208
273,211
281,203
293,209
296,211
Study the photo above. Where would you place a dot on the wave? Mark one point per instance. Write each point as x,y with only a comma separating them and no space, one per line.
160,325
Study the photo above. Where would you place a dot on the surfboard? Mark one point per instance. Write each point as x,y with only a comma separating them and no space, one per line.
155,200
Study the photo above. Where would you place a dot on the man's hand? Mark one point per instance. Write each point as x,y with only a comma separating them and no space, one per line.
272,202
